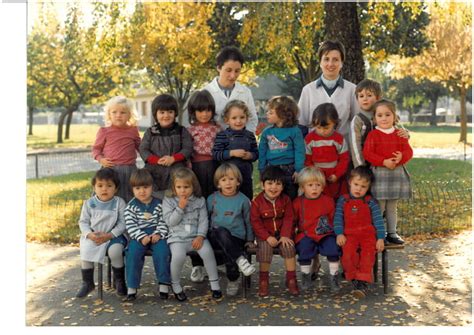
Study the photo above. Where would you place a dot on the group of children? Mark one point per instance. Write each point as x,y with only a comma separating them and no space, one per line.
195,193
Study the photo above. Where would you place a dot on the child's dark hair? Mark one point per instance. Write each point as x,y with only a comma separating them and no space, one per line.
390,105
141,177
362,172
201,101
164,102
229,53
238,104
286,109
272,173
106,174
330,45
369,85
324,113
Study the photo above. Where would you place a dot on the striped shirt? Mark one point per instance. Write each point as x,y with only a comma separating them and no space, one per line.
139,216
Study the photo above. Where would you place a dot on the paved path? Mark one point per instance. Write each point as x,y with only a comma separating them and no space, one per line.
445,153
431,286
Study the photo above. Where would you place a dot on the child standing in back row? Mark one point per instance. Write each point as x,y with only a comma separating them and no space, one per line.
117,143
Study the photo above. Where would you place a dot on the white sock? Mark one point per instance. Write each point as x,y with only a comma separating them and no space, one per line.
131,290
215,285
163,288
333,268
306,269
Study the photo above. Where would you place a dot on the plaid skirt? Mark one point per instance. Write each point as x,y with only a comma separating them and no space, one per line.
265,251
391,184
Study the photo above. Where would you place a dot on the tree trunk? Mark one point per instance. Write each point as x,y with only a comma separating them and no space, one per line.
30,120
434,103
62,117
462,97
342,23
410,115
68,125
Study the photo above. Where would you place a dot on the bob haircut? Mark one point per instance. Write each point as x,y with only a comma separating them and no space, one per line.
390,105
324,113
311,173
286,109
186,174
272,173
229,53
141,177
106,174
164,102
362,172
330,45
122,101
238,104
369,85
201,101
226,169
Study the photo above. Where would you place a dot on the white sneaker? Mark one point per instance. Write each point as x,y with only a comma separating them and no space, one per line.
233,288
197,274
245,267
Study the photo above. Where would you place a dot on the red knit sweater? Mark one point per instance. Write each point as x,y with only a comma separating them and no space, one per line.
120,145
380,146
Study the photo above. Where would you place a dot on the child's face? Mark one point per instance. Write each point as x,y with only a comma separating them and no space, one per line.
228,184
366,100
272,117
312,189
203,116
119,115
272,188
143,193
165,118
105,189
236,119
384,117
325,131
183,188
358,186
331,64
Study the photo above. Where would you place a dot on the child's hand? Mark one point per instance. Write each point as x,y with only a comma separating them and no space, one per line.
332,178
380,245
166,160
398,156
183,201
341,240
145,240
239,153
197,242
247,156
390,163
402,132
155,238
94,237
249,244
272,241
104,237
105,162
286,242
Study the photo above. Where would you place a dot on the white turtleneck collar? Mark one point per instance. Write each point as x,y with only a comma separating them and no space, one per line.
386,131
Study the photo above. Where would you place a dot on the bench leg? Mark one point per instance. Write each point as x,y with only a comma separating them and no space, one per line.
109,270
99,282
376,267
244,286
385,271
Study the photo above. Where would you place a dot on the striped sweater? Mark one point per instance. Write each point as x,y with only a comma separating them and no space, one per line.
139,216
230,139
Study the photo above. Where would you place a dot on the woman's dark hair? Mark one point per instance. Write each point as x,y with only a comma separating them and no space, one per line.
362,172
330,45
201,101
272,173
141,177
106,174
229,53
324,113
164,102
286,109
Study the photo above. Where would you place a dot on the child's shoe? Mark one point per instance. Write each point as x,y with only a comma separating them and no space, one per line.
358,289
292,286
180,296
216,294
263,287
394,239
306,281
119,279
334,282
87,283
245,267
232,288
197,274
131,297
164,295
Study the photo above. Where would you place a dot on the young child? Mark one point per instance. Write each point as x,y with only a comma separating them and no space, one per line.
203,130
314,212
116,145
230,228
360,230
102,226
282,144
166,145
236,144
148,231
387,153
185,213
271,214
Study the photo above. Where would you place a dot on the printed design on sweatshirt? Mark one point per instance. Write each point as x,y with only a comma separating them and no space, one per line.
323,226
275,144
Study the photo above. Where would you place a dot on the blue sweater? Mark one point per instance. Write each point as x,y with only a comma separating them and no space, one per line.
281,146
230,139
232,213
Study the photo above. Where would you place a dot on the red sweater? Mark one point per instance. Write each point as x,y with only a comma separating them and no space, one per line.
267,217
380,146
204,135
120,145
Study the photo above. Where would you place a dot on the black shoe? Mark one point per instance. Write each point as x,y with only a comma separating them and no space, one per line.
314,276
119,279
180,296
87,283
164,295
394,239
216,294
131,297
334,283
360,290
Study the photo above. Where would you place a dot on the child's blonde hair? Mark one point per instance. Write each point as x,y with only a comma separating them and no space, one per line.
311,173
285,108
390,105
187,175
238,104
225,169
123,101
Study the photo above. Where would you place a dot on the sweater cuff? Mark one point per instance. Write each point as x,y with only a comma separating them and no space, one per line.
179,157
153,159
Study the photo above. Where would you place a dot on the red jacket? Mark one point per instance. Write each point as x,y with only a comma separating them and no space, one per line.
308,213
267,218
379,146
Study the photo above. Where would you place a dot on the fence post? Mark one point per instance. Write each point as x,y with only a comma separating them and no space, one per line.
36,167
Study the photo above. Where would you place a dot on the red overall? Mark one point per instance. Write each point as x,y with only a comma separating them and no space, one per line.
360,233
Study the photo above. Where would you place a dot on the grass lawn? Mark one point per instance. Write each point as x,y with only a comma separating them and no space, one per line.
436,137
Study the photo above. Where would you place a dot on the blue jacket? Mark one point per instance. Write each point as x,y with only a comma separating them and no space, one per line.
230,139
